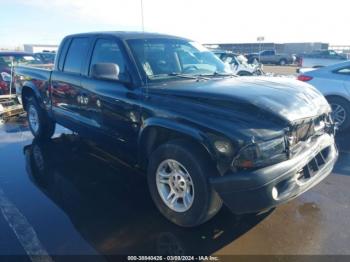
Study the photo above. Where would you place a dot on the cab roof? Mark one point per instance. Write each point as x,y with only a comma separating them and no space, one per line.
128,35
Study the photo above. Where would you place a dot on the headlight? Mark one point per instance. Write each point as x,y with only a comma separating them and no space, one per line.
261,154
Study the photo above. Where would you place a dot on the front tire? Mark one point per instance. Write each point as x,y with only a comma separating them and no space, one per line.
41,126
244,73
178,174
340,112
258,72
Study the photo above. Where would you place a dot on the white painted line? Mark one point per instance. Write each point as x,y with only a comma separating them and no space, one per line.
24,232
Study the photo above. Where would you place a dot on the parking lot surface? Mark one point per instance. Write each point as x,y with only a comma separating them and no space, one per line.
68,197
288,70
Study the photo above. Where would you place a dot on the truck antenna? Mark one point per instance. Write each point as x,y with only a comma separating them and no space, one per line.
144,41
142,18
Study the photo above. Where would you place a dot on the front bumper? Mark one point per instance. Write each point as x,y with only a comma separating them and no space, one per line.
251,191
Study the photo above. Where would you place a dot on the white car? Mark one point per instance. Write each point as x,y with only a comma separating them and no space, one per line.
334,83
318,59
239,64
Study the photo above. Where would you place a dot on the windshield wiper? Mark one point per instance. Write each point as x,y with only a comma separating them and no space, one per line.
180,75
197,77
218,74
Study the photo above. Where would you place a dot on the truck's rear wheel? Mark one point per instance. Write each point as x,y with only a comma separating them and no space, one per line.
41,126
178,182
283,62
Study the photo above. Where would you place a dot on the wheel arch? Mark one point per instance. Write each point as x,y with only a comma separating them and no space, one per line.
159,131
347,99
28,90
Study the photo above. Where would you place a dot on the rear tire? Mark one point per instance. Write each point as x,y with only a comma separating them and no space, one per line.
340,112
203,202
282,62
41,126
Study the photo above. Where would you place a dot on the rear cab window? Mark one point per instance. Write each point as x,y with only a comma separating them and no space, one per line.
76,55
62,54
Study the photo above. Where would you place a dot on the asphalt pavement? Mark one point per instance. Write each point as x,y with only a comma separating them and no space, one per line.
67,197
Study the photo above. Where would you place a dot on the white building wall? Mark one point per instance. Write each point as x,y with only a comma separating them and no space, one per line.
39,48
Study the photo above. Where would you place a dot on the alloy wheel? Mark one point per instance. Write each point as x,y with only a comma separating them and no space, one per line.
338,114
175,185
33,118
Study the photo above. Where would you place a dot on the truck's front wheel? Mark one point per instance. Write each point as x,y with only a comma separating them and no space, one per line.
41,126
178,181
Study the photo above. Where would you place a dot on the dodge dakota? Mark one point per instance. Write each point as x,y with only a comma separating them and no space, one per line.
168,106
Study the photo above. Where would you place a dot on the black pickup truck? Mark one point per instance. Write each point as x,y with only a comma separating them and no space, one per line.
168,106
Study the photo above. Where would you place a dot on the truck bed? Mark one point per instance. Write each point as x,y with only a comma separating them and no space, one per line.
33,77
39,73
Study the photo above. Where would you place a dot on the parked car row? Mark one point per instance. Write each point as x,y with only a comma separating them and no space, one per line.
239,63
9,59
320,58
315,59
7,62
46,57
168,106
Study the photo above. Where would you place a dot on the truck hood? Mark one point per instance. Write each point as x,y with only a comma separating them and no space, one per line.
288,99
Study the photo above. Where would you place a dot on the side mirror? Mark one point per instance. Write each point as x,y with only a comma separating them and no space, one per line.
110,71
107,71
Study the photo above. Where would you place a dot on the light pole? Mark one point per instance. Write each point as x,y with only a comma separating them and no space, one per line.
260,39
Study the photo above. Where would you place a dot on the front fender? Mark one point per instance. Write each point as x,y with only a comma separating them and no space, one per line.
174,127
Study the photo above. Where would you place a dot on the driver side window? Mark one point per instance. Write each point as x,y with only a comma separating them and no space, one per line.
108,51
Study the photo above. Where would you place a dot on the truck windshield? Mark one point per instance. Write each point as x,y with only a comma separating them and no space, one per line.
164,58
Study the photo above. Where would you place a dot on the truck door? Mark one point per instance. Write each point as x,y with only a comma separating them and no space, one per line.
111,106
66,82
268,56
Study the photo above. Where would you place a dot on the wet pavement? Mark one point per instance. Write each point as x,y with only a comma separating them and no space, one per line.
68,197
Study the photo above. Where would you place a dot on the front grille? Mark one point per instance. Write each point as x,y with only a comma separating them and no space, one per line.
314,165
308,128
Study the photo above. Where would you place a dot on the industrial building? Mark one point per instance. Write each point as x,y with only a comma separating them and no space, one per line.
289,48
35,48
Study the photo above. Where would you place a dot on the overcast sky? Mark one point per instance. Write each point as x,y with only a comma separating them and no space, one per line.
217,21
